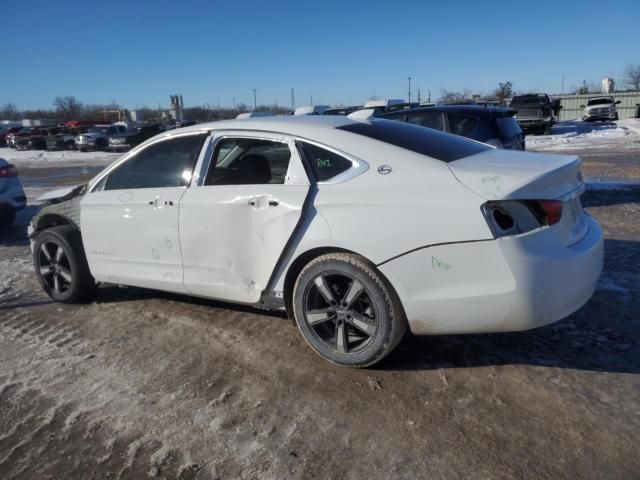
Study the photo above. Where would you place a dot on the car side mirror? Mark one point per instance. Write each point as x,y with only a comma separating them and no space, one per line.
618,102
581,106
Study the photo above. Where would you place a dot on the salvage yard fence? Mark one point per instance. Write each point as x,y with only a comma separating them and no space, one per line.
571,109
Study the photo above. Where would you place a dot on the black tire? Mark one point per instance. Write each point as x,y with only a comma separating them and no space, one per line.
546,130
64,274
366,326
101,145
7,217
70,145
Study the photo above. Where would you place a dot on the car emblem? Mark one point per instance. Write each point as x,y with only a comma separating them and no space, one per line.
384,169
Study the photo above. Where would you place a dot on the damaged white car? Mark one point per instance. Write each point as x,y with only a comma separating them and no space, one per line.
357,228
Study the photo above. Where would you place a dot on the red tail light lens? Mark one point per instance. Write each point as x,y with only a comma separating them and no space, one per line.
552,210
8,171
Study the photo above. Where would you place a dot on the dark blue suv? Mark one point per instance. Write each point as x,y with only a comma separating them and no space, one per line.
493,125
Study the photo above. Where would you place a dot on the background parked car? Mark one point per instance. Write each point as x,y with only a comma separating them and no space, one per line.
36,140
145,132
536,112
492,125
12,197
64,139
97,137
6,130
341,110
600,108
11,137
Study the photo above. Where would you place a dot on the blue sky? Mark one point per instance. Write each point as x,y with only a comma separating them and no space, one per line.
139,52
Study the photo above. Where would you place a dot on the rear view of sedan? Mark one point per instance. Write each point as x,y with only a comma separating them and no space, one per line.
12,198
358,229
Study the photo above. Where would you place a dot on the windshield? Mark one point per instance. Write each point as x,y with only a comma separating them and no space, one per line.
98,130
529,99
600,101
426,141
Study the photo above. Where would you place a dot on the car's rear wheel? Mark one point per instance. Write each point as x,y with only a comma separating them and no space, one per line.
61,265
346,311
70,145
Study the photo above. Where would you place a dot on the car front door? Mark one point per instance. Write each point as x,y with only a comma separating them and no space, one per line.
129,219
236,222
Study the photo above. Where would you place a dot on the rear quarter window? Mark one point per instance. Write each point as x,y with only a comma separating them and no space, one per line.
324,163
426,141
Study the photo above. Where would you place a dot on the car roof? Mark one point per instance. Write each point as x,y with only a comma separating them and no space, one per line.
481,109
301,125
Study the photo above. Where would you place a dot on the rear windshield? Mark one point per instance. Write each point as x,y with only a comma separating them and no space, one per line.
508,127
426,141
600,101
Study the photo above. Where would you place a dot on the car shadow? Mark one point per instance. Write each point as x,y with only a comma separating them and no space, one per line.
603,336
607,194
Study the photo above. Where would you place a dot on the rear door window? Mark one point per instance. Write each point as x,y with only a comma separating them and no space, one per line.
248,161
462,125
325,164
428,119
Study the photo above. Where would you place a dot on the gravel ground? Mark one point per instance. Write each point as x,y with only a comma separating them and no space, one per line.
143,384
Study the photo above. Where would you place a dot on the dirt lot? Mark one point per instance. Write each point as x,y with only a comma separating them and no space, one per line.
142,384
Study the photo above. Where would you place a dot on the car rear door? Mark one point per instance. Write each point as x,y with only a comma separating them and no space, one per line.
129,219
236,222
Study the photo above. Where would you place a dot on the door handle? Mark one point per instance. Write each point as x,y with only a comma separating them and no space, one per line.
263,201
154,202
273,203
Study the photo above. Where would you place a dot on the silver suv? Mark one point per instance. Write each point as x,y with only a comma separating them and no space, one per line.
600,108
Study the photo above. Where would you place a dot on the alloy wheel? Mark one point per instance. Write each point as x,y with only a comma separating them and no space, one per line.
54,267
340,312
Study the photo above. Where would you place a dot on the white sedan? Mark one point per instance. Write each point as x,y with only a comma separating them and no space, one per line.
357,228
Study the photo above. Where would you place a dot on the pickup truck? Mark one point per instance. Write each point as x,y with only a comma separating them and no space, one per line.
145,132
536,112
65,138
98,136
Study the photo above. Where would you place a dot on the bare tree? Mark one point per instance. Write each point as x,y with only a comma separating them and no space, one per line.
504,92
632,76
447,96
68,107
9,111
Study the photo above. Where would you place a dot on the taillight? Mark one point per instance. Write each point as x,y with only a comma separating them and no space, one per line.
552,210
513,217
8,171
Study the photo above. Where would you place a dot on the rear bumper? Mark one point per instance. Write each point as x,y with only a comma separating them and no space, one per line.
510,284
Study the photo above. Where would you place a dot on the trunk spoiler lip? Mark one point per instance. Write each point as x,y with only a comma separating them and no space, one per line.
579,190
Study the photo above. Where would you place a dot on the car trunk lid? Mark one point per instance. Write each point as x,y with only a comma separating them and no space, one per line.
505,175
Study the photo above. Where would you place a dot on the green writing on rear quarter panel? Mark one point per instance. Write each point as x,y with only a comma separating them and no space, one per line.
435,263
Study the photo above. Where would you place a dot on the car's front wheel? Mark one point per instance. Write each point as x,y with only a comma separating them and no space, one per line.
346,311
61,265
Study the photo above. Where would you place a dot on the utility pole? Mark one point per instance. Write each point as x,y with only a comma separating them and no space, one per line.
563,83
419,96
255,103
311,99
234,102
409,78
293,100
429,100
